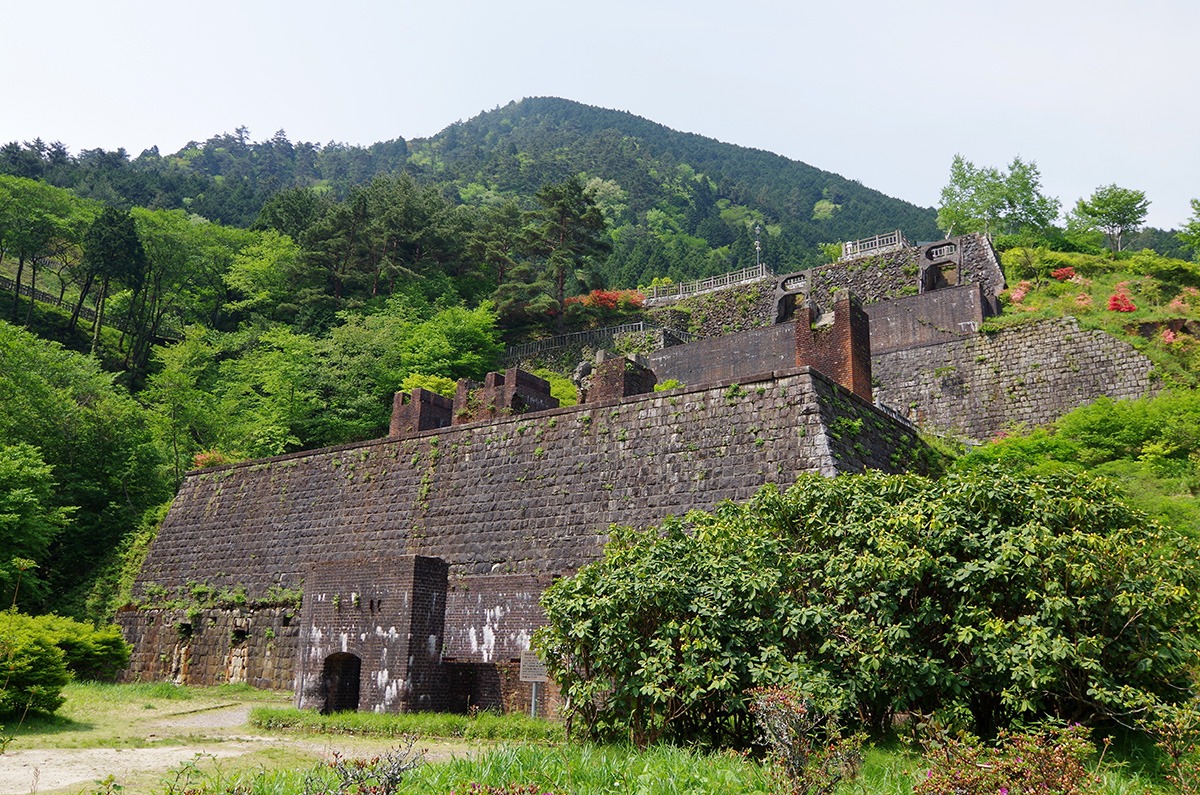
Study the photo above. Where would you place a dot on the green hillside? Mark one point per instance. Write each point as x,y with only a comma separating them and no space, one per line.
678,204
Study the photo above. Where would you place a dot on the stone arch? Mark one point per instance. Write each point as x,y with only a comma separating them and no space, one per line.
340,683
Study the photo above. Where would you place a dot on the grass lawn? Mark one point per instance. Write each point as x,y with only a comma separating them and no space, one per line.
154,738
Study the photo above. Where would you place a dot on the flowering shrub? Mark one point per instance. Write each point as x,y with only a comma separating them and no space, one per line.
1051,760
1063,274
609,300
210,458
1168,336
380,775
1083,300
1018,293
809,755
1119,302
1187,300
1176,731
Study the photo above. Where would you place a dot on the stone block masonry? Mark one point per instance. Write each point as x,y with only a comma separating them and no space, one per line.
506,504
1023,376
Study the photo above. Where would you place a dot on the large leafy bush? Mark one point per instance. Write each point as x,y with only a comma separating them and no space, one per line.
1005,595
40,654
32,668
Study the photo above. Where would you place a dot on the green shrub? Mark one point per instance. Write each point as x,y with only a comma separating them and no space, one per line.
32,668
1008,595
91,654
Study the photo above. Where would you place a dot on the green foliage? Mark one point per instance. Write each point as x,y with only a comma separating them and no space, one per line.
1150,447
1010,595
670,383
32,667
29,519
90,653
1189,235
113,587
95,440
561,387
988,200
1114,210
446,387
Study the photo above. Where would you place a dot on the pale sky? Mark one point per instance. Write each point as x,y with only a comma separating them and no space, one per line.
881,91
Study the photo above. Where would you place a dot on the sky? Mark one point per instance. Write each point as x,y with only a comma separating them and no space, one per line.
1096,92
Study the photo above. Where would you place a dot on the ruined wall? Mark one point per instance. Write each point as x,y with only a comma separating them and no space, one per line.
524,494
728,358
919,320
390,614
1028,375
530,496
727,311
255,646
895,274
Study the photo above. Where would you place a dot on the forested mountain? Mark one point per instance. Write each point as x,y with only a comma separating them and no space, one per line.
677,204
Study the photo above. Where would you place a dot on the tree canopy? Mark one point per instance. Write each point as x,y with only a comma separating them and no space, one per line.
1115,210
993,201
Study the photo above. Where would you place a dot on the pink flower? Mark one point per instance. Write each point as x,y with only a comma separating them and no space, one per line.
1168,336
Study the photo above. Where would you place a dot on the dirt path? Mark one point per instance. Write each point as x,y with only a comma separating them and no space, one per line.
207,736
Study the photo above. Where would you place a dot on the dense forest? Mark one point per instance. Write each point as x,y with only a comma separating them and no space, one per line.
677,204
240,299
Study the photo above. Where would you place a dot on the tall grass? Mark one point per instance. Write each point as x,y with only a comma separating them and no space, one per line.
580,770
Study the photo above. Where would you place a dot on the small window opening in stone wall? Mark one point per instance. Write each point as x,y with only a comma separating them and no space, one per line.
239,636
184,630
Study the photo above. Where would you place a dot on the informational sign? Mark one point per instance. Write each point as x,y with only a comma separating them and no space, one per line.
532,669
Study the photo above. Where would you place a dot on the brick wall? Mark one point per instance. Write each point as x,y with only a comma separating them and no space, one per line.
387,612
837,344
940,316
728,358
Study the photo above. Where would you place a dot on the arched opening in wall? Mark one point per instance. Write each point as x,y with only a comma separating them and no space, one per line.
339,683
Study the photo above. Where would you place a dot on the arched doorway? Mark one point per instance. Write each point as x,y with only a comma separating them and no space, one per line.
339,683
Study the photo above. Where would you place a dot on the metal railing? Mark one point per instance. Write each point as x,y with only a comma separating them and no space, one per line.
8,285
85,312
606,334
895,414
869,245
664,292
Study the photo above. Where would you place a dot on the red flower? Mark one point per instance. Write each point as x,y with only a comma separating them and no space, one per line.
1119,302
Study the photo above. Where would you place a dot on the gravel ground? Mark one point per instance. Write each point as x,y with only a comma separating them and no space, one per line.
211,733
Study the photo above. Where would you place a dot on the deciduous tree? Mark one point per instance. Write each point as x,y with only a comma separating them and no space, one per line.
1115,210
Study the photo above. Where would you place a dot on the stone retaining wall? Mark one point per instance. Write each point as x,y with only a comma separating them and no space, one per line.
1024,376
